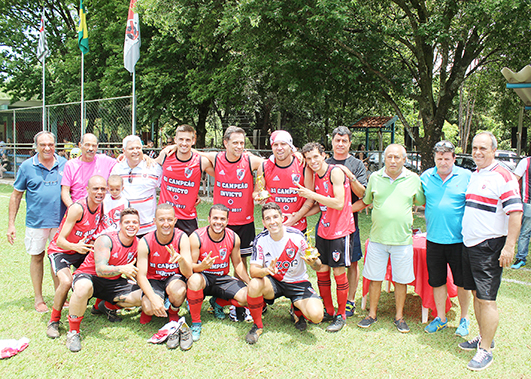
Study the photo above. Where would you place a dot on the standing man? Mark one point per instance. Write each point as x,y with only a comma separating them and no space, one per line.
278,175
40,176
444,188
392,190
140,182
357,175
181,178
164,263
522,173
278,269
491,225
72,242
233,185
213,247
100,276
78,171
334,231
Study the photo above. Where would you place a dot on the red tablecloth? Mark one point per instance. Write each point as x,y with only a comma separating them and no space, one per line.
422,288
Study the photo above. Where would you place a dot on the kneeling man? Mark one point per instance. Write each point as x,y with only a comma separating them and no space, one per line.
101,275
212,247
277,269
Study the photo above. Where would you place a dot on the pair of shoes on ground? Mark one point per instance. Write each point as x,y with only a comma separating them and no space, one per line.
482,359
518,264
400,324
181,337
437,324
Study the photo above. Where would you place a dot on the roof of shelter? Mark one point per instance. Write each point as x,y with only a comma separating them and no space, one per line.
520,77
378,122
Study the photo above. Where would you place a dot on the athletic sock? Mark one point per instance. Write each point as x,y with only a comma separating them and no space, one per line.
297,312
73,322
255,307
195,300
325,290
56,315
173,314
144,318
342,293
112,306
223,303
97,303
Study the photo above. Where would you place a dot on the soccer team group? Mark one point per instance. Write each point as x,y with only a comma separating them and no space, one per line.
130,231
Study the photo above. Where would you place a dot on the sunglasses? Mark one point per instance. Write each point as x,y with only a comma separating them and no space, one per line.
444,146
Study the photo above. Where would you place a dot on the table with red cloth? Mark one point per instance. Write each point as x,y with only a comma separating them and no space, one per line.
422,287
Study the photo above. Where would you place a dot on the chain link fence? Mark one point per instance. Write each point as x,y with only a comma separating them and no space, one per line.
109,119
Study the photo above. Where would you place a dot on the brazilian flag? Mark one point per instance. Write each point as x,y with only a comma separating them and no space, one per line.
82,31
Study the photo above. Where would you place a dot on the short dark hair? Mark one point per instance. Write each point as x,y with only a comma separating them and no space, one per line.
218,207
129,211
444,146
185,128
312,145
270,206
342,131
231,130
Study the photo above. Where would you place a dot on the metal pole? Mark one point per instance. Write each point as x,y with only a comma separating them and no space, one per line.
133,127
519,134
43,92
82,94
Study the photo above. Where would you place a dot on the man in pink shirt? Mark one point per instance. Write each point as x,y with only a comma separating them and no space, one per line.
78,171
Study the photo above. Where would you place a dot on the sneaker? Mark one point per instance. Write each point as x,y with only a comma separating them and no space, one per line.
186,338
234,313
95,311
401,326
254,333
173,339
218,309
52,331
327,317
73,341
519,263
301,324
351,308
462,329
481,360
110,313
367,322
196,331
247,317
473,344
336,325
436,325
166,331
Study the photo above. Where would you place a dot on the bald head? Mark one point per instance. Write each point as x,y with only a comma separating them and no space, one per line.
395,157
96,180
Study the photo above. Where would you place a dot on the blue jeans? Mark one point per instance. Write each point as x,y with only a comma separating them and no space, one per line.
525,234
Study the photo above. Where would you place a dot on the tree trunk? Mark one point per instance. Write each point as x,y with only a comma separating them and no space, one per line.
200,129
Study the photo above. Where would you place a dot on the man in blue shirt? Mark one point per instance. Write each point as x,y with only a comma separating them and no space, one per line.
40,177
444,187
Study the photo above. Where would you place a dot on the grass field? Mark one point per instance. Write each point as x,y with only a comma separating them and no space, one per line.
120,350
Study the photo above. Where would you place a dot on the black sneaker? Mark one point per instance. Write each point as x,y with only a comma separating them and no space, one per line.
327,317
95,311
401,326
367,322
110,313
336,325
52,331
73,341
254,333
173,339
300,324
186,337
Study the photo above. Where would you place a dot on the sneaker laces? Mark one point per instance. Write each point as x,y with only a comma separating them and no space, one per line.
480,355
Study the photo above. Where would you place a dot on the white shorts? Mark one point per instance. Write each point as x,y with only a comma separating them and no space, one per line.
377,256
35,239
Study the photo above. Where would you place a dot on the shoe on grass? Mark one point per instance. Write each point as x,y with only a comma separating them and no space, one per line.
186,338
336,325
110,313
73,341
436,325
196,331
367,322
218,309
481,360
518,264
401,325
462,329
52,330
174,339
327,317
301,323
351,308
254,333
473,344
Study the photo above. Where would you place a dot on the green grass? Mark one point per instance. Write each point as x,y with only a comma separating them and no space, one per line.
120,350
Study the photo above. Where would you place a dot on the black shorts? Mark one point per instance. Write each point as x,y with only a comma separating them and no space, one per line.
104,288
293,291
246,233
336,252
225,287
438,257
64,260
187,226
159,286
481,268
355,246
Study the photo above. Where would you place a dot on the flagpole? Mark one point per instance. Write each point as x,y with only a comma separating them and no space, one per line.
43,93
133,131
82,94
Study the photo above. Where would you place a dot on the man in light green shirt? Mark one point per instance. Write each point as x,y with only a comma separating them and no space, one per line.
392,190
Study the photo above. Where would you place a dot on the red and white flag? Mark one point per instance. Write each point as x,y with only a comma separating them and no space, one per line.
42,48
132,39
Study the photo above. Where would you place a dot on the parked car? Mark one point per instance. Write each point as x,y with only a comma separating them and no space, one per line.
466,161
508,157
413,163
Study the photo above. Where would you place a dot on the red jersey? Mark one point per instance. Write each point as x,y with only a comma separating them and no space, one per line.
334,223
120,255
220,249
180,185
233,187
84,228
278,182
158,257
